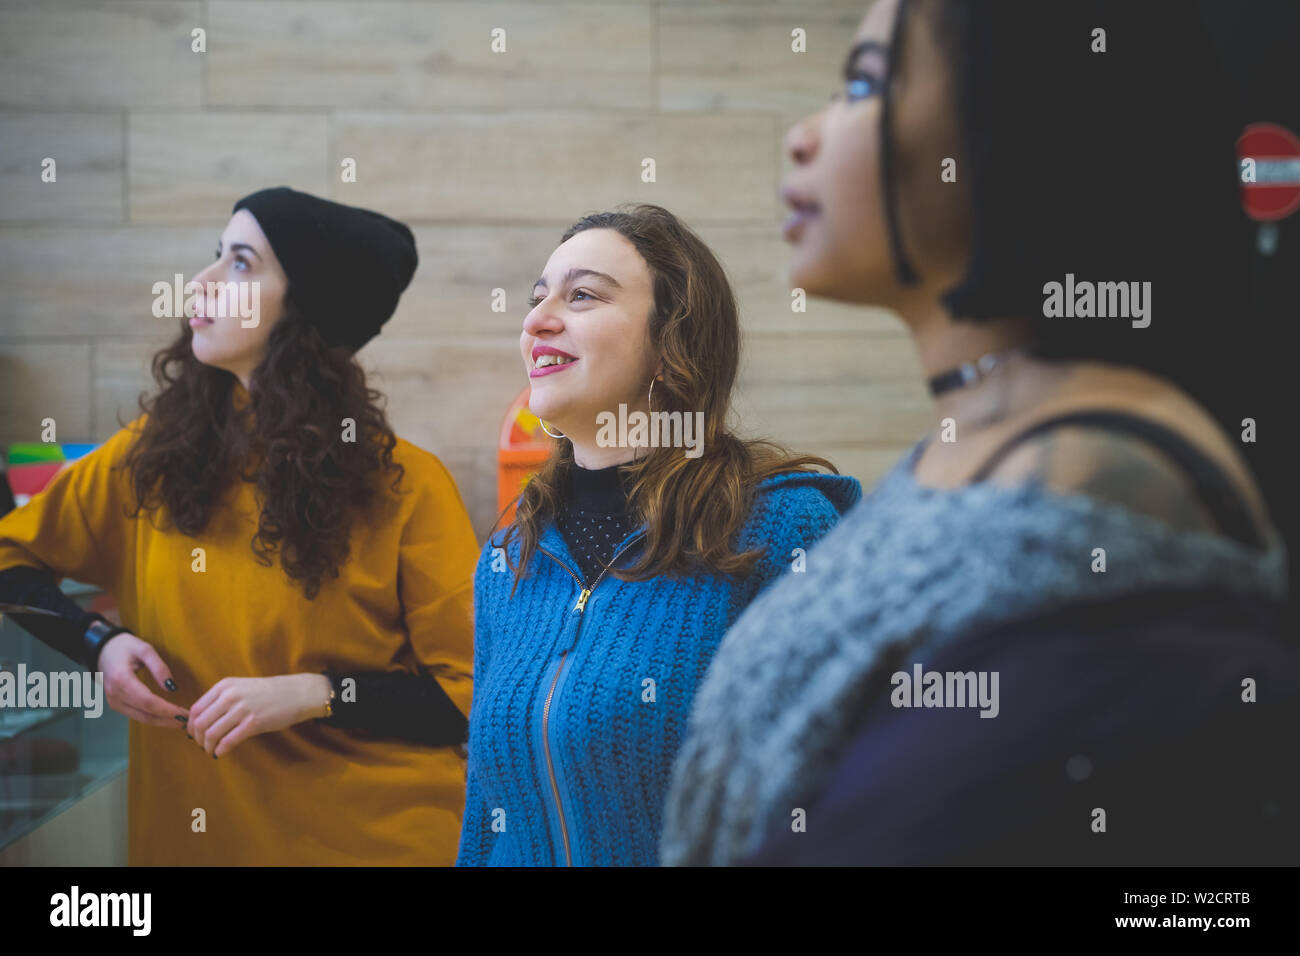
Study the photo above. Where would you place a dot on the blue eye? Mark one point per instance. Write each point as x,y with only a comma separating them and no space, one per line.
860,87
582,292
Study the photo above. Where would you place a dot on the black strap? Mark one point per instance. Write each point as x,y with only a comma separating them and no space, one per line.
1213,487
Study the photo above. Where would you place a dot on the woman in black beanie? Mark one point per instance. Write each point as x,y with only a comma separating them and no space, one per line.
298,576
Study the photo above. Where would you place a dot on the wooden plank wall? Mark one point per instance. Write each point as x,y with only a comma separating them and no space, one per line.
488,157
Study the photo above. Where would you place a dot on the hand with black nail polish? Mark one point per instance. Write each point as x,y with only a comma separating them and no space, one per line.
126,693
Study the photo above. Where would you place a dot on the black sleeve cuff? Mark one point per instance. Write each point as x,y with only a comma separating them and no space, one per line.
36,587
402,704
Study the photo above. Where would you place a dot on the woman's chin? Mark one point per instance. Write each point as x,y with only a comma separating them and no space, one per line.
209,356
805,275
820,282
544,410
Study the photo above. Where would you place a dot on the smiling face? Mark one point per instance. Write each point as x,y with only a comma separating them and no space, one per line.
220,338
586,341
838,225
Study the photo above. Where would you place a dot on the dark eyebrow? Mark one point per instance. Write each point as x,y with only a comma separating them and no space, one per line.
579,273
866,46
237,246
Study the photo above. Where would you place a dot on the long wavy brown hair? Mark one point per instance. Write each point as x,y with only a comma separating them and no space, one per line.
693,507
287,439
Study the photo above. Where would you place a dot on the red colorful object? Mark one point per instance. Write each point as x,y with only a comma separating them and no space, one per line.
27,480
1275,192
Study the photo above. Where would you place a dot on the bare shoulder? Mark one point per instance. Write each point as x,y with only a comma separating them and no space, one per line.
1111,467
1121,468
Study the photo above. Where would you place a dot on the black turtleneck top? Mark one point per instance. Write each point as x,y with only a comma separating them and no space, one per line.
594,518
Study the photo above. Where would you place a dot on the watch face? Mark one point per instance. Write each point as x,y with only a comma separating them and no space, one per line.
98,634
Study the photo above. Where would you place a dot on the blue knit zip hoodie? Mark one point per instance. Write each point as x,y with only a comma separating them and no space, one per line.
578,713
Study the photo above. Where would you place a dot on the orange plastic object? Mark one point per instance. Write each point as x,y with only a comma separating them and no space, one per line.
524,446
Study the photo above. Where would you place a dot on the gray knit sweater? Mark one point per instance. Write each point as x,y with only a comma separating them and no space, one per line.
908,570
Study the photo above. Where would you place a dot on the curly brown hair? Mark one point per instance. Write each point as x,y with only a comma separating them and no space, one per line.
693,507
286,439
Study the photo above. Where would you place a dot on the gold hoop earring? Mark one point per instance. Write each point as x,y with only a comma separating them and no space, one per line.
548,431
649,407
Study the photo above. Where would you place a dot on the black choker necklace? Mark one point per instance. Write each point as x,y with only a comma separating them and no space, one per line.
968,373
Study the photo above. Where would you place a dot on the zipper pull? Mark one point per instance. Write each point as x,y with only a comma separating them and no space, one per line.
582,600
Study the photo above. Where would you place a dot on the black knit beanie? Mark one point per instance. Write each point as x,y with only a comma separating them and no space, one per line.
347,267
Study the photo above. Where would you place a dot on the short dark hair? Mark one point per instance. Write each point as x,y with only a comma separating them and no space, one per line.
1120,166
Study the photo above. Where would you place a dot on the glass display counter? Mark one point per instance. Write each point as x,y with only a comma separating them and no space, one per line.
51,757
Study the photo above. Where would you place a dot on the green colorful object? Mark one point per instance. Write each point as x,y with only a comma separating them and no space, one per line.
43,453
28,453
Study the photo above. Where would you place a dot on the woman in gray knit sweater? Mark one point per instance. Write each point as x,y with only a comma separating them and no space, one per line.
1051,633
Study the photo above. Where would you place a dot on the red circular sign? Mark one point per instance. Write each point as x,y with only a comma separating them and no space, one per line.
1275,192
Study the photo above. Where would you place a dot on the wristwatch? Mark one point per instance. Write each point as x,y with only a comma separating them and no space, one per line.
96,636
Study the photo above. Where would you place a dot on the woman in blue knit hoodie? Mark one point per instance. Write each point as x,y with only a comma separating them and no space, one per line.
641,539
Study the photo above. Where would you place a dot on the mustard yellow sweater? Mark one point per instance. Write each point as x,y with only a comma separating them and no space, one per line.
310,794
